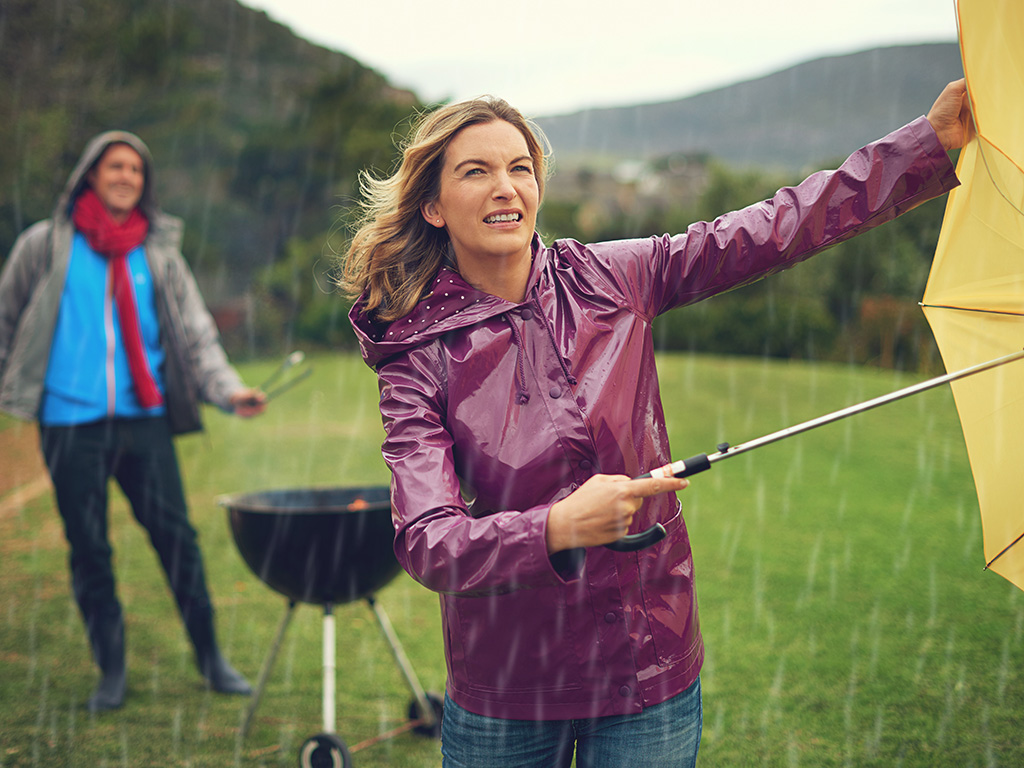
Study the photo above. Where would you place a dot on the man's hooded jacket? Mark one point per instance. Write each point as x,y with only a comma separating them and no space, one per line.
32,284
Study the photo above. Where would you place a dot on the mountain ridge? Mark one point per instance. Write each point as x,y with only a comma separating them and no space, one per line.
794,119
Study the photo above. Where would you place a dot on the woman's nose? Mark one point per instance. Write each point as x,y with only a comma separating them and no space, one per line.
504,188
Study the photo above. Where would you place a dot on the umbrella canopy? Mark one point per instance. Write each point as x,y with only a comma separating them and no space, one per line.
974,299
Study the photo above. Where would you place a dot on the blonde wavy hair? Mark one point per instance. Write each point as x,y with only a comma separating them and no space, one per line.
394,253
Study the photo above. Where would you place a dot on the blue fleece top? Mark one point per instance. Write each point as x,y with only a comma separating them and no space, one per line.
88,378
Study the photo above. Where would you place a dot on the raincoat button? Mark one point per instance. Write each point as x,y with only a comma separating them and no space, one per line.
585,464
555,392
625,691
609,617
527,313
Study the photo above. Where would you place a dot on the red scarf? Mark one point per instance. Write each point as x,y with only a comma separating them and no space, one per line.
114,241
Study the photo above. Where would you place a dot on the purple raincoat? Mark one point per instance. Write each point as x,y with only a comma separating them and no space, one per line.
493,411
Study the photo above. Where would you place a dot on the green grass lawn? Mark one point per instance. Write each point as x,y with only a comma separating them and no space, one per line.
847,617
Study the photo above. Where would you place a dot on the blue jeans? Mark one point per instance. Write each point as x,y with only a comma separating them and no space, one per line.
666,735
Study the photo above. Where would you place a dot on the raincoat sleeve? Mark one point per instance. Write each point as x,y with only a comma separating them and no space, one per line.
437,541
874,185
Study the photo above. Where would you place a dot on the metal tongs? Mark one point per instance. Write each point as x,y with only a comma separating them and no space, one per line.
291,362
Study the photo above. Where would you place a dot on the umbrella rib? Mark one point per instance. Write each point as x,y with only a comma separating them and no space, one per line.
991,176
971,309
1008,547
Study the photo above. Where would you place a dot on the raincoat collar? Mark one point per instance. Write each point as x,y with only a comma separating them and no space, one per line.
452,304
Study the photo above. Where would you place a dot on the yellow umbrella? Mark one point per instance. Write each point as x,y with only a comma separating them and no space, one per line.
974,299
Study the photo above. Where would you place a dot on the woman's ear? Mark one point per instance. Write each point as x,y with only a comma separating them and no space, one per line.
431,215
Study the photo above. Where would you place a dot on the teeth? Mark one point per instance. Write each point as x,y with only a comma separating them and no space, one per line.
502,217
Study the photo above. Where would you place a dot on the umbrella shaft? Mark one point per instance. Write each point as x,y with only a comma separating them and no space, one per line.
865,406
703,461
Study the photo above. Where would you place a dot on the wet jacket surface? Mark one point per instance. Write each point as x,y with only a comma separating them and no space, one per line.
494,410
32,284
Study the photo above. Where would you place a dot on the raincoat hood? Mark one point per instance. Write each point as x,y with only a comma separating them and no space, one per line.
93,151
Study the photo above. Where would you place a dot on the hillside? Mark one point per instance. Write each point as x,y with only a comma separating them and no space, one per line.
257,134
793,120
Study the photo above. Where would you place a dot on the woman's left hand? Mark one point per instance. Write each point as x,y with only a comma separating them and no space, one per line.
951,117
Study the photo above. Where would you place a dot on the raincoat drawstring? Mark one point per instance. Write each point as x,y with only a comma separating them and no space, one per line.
522,394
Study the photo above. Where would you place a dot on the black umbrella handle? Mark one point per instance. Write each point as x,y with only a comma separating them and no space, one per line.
686,467
635,541
657,532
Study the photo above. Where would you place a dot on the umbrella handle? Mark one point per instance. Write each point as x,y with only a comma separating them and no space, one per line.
636,541
657,532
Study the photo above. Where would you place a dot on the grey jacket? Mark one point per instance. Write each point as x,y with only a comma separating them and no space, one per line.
32,284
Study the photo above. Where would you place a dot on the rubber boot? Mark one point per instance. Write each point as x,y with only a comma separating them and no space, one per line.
108,649
220,675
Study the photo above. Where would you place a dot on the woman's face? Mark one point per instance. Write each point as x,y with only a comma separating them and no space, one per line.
488,197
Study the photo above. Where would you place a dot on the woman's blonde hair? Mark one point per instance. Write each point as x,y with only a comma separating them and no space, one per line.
395,253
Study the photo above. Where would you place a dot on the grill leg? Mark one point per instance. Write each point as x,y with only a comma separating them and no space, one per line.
426,709
268,665
329,669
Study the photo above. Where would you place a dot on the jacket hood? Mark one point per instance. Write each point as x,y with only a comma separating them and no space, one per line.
452,304
93,151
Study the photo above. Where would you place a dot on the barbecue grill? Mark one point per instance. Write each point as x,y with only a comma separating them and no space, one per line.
326,546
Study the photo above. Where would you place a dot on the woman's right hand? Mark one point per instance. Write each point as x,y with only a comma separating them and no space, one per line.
600,511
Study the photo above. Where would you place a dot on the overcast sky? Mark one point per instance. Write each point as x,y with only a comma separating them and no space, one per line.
554,56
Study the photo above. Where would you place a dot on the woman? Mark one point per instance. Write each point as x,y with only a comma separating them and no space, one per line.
519,396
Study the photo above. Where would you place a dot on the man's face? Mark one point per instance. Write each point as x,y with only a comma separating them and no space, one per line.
118,179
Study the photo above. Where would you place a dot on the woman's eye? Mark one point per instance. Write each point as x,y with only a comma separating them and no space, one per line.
521,168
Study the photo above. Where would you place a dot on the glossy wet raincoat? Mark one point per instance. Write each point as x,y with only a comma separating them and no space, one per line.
493,411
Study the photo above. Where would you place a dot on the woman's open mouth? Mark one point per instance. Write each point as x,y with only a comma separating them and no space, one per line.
500,218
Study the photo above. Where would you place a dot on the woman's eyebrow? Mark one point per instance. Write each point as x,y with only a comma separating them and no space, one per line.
474,161
470,161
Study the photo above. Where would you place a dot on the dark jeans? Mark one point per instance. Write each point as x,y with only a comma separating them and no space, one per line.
139,454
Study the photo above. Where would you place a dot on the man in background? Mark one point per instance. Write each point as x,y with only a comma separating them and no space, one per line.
107,343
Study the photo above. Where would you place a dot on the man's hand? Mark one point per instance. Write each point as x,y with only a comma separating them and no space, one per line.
248,402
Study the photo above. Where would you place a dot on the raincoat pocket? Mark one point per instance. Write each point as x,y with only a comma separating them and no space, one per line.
669,599
512,643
